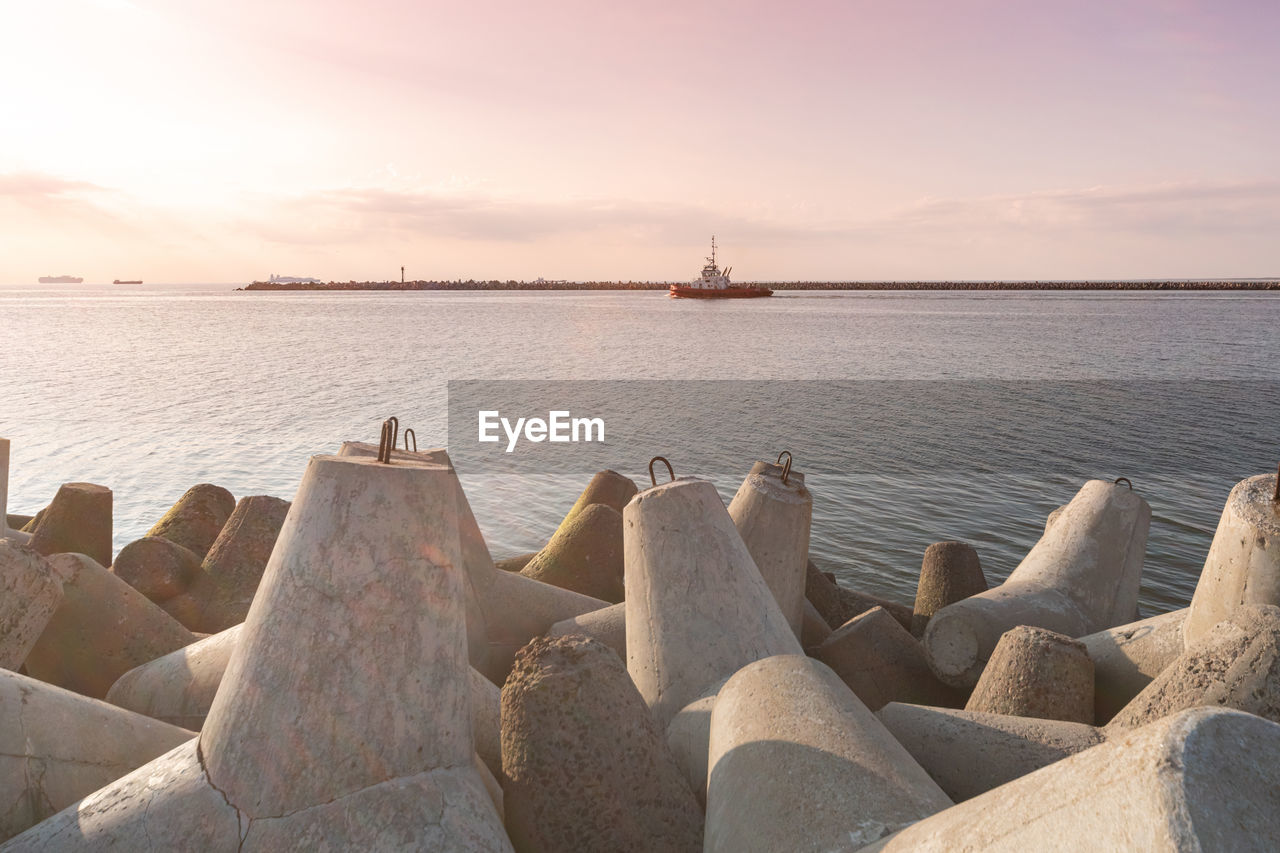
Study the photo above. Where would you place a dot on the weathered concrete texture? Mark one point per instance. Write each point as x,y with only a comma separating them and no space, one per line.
1081,577
1205,779
813,628
584,555
361,448
1036,673
773,519
881,662
697,608
166,804
607,625
16,521
178,687
1126,658
157,567
838,605
797,763
57,746
365,587
606,487
486,720
950,572
587,769
689,736
102,629
196,519
1243,566
4,487
221,593
30,592
1236,665
968,753
77,521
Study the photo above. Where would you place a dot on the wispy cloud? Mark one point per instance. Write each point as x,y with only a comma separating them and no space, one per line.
38,185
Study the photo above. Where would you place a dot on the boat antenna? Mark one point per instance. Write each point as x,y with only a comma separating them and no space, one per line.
713,250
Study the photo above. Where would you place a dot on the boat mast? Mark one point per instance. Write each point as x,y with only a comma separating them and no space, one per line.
713,250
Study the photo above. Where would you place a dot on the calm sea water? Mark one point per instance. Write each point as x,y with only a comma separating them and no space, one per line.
152,389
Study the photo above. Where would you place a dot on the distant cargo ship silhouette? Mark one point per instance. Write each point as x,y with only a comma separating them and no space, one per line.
60,279
290,279
131,281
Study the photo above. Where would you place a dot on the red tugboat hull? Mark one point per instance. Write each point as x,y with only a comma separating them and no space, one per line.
679,291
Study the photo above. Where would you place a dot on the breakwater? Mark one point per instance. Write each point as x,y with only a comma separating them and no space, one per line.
1153,285
373,680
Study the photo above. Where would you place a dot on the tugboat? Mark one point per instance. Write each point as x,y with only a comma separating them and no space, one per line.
714,284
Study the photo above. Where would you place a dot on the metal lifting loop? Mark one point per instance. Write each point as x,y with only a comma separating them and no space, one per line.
786,469
1126,481
663,460
409,433
386,443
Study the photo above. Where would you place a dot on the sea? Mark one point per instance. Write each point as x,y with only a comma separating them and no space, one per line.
915,416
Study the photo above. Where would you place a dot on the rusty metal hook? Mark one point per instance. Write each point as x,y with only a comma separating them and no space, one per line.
409,433
386,442
1126,481
663,460
786,469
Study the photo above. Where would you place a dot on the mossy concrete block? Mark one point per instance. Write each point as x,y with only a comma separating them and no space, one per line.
584,555
196,518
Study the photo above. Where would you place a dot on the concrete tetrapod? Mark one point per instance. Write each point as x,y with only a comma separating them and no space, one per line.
1243,565
57,746
78,520
1036,673
4,487
797,763
837,605
365,590
584,555
607,625
30,592
773,520
606,487
949,572
587,768
881,662
179,687
1205,779
221,593
1081,577
196,518
156,567
1236,665
1127,657
102,629
968,752
697,609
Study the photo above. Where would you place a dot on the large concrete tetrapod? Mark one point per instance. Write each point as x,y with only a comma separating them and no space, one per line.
798,763
1243,565
195,519
697,609
1127,657
1081,577
78,520
1203,780
57,746
4,487
30,593
772,511
343,718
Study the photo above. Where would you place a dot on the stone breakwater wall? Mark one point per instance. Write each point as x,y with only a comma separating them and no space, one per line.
350,670
1207,284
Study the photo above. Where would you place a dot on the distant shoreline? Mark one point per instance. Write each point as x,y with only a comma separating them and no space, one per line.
1178,284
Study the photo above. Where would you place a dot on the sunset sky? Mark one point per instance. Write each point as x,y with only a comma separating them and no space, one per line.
224,140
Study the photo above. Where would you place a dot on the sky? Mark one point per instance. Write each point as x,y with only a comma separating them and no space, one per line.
225,140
